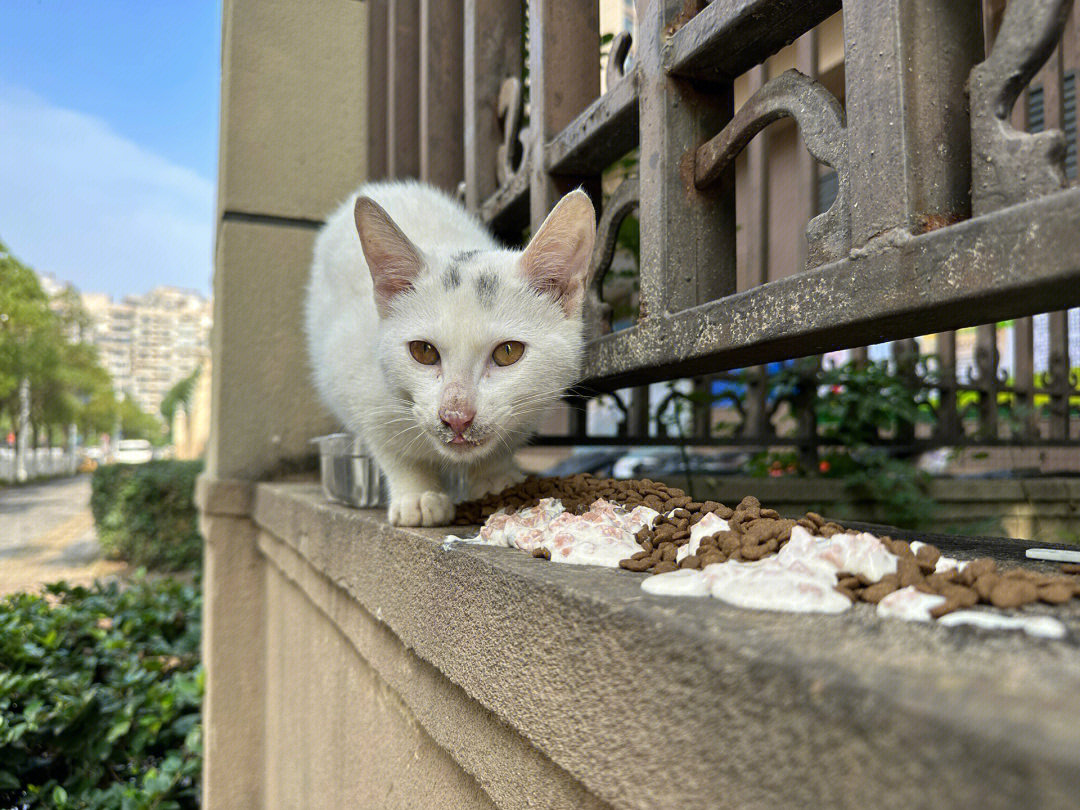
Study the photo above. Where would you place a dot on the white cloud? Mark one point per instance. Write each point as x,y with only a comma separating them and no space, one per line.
81,202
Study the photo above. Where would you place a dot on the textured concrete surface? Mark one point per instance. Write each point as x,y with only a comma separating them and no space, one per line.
511,772
293,106
659,702
337,736
265,407
233,650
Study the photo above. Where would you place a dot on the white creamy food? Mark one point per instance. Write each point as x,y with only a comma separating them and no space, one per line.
602,536
801,577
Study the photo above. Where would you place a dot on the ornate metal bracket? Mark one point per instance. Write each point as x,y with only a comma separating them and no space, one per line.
619,205
616,66
509,110
821,122
1009,166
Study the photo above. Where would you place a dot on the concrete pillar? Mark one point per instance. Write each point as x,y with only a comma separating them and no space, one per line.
293,144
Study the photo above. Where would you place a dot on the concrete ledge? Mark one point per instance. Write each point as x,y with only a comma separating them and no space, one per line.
509,770
224,496
651,702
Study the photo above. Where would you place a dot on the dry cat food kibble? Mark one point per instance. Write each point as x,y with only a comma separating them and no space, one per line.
774,562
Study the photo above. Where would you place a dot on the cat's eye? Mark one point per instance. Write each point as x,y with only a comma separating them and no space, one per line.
423,352
506,354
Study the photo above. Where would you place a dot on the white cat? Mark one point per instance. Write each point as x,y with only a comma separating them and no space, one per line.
439,347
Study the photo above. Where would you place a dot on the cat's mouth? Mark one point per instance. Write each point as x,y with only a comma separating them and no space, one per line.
461,444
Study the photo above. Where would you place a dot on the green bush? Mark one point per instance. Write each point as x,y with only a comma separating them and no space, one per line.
100,690
145,513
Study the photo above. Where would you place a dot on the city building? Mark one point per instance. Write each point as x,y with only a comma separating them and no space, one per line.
149,342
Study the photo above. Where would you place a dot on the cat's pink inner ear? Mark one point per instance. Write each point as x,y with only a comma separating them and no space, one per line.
393,260
557,260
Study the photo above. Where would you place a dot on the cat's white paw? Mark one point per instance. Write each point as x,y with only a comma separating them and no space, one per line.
422,509
495,483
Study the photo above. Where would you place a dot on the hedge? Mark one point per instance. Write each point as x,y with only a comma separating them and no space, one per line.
100,690
145,513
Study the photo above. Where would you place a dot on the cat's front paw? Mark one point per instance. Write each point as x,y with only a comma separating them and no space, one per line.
495,483
422,509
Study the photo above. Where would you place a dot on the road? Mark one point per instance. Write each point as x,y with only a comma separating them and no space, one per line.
47,534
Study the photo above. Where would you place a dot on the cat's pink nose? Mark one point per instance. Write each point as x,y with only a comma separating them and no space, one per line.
457,420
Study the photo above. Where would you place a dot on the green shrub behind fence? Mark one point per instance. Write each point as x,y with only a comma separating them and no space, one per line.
145,513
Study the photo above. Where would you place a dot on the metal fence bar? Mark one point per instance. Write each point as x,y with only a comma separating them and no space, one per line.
403,89
377,140
728,37
948,425
1060,384
441,87
806,176
908,138
757,235
492,54
564,72
986,380
687,234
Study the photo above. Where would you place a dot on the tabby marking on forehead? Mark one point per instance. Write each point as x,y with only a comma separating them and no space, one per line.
486,286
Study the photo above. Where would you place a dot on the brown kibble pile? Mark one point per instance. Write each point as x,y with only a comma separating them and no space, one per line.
577,493
756,532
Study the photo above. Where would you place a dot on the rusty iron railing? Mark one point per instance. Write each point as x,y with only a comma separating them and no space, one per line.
948,212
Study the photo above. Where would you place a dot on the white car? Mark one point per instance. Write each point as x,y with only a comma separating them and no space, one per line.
133,451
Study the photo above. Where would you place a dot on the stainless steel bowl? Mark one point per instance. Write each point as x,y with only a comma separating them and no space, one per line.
348,474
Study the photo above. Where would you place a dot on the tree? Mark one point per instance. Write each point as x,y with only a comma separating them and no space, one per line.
179,396
41,341
30,334
135,423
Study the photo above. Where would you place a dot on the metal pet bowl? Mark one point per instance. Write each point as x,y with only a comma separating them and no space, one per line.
349,475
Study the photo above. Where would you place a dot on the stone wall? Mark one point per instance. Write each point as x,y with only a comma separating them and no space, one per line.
367,666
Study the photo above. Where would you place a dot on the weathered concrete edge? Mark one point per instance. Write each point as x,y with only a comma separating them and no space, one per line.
507,767
231,497
760,682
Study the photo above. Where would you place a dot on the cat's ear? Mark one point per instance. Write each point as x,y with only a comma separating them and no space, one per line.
393,260
556,262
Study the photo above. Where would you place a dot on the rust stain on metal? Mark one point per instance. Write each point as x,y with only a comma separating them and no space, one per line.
690,9
932,222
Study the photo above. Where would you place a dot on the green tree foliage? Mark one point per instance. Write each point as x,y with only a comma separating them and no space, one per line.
179,396
138,424
100,692
41,341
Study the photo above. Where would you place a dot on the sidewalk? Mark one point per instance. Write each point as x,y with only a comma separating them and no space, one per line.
47,534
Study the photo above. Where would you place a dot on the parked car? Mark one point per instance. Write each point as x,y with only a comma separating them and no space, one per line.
133,451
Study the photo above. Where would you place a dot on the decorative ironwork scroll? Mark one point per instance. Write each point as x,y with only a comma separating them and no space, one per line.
510,110
821,122
619,205
1009,166
616,66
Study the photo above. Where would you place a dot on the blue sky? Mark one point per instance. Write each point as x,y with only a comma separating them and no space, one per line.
108,140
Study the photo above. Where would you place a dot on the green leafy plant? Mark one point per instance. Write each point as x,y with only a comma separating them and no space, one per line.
856,406
100,693
146,513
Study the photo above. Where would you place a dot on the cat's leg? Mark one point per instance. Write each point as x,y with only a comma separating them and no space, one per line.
494,475
417,497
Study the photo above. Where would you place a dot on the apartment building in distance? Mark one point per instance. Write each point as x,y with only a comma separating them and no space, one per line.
149,342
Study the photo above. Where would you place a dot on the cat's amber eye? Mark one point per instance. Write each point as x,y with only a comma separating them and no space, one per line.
423,352
506,354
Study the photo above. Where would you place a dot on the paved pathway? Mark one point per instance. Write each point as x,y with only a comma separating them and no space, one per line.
47,534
